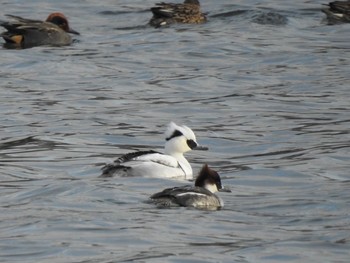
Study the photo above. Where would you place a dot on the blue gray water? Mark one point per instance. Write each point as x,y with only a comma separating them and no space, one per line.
265,85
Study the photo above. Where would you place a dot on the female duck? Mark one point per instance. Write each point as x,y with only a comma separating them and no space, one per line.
200,196
338,12
167,13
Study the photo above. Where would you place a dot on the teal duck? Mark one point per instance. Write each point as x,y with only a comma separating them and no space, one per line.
27,33
167,13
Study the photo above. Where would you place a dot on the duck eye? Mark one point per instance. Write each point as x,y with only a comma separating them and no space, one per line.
176,133
192,144
60,21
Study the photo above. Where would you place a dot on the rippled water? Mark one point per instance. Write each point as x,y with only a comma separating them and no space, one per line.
264,84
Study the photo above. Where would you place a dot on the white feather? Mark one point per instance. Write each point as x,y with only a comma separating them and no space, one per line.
159,158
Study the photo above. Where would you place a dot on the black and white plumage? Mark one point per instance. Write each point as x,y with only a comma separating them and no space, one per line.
338,12
201,195
170,164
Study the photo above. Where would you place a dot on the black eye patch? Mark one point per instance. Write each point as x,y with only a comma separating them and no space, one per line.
176,133
192,144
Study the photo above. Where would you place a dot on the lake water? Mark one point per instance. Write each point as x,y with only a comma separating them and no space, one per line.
265,85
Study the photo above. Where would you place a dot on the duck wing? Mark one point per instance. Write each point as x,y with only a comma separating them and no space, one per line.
23,20
168,10
340,7
164,10
136,158
181,196
148,156
20,25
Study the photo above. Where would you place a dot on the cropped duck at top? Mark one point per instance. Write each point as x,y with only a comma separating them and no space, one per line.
338,12
201,195
167,13
170,164
27,33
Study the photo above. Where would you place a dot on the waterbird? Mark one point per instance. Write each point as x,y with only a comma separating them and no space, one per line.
201,195
170,164
338,12
168,13
27,33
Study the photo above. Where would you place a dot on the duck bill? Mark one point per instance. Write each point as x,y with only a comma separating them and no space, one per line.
201,148
225,190
72,31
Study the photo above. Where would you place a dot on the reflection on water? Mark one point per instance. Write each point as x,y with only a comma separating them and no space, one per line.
265,89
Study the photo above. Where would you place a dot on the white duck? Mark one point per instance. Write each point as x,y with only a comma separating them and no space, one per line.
170,164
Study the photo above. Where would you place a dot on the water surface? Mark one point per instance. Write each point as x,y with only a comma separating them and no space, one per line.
264,85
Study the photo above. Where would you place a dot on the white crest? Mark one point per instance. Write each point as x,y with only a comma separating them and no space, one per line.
186,131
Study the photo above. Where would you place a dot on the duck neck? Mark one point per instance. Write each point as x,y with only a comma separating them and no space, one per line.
183,163
185,166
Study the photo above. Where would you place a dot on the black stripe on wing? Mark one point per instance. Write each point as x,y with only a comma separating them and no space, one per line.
181,194
132,155
109,169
